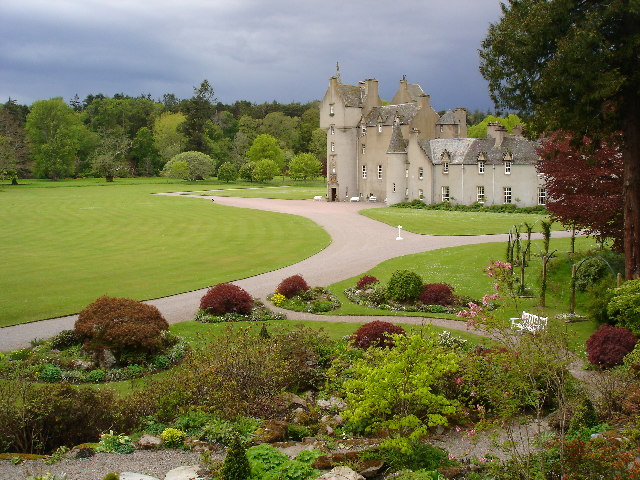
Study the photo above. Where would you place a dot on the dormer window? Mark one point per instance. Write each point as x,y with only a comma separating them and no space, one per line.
364,149
507,167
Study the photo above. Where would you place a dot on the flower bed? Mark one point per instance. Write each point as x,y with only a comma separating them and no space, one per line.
313,300
376,295
63,359
259,313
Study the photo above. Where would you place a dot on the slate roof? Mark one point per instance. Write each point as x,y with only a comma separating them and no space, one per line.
397,144
467,150
415,91
352,95
447,119
386,114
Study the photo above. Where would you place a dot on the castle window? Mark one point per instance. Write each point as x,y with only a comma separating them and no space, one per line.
379,172
332,130
445,167
421,173
420,194
331,110
406,192
507,167
379,128
333,147
364,131
507,194
406,173
441,129
364,148
394,187
445,193
364,171
542,196
480,194
481,166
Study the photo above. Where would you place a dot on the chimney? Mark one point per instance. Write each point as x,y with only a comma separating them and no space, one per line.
497,131
517,130
371,98
424,102
460,116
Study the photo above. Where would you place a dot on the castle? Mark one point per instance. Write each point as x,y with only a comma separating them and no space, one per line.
405,151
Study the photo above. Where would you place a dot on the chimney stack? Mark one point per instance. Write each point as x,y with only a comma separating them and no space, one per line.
497,131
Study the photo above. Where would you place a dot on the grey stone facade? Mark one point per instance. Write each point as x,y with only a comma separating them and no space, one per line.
405,151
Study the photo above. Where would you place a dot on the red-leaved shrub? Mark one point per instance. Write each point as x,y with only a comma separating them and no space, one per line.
121,324
607,346
292,286
376,334
226,298
437,294
365,281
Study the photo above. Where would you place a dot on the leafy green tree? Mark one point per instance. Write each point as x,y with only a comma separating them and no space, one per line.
239,148
199,111
53,131
249,127
479,130
395,389
127,113
167,136
309,121
284,128
146,158
318,144
266,147
110,158
14,155
303,166
246,171
227,172
198,166
264,170
576,68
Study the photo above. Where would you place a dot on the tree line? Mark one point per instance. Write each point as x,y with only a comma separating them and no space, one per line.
138,136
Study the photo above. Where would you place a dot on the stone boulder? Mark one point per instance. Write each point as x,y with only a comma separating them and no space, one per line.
136,476
341,473
149,442
271,431
183,473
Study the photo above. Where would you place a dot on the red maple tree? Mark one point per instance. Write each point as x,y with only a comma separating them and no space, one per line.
584,183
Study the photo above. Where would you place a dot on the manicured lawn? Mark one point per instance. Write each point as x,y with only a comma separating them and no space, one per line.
462,267
63,244
444,222
293,192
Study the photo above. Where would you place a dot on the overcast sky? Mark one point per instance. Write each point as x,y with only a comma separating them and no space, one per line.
255,50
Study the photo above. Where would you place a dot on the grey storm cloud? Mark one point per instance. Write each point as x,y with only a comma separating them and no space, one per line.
248,49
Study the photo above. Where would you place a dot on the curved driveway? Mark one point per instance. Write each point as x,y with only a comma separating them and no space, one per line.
358,243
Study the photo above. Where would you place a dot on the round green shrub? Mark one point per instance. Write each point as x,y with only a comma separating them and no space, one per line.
404,285
624,307
592,269
96,376
172,437
65,339
160,362
134,371
50,373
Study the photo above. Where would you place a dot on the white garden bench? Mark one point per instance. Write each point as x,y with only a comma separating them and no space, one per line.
354,199
373,198
318,198
529,322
